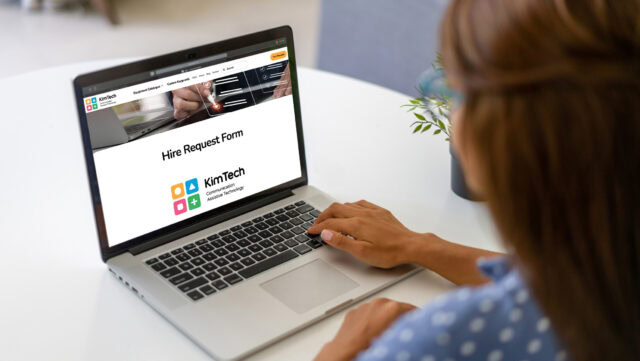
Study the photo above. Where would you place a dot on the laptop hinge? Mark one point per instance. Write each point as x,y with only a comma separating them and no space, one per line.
210,222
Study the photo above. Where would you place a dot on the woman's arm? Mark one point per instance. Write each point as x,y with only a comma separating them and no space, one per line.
376,237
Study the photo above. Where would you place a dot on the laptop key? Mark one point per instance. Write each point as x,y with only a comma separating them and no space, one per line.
171,262
268,264
244,253
243,243
304,209
195,253
185,266
291,243
195,295
221,262
286,225
191,285
207,290
261,226
251,230
247,261
301,238
232,247
298,230
268,215
265,234
306,217
151,261
275,229
209,267
240,234
254,248
276,239
236,228
282,218
265,243
314,243
197,272
302,249
213,237
292,214
279,211
219,284
209,256
158,266
286,235
280,247
200,242
315,213
189,246
170,272
182,257
177,251
247,224
212,276
217,243
221,252
232,257
271,221
224,271
165,256
229,239
236,266
290,207
233,279
254,238
257,219
258,256
269,252
197,261
224,233
299,203
296,221
183,277
206,248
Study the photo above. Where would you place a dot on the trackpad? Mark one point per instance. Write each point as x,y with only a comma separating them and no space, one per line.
309,286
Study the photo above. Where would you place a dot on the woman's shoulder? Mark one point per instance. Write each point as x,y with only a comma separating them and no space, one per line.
497,321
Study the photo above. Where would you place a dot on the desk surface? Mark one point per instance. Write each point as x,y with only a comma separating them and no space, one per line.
59,302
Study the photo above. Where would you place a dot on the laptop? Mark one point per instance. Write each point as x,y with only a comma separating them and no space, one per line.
206,221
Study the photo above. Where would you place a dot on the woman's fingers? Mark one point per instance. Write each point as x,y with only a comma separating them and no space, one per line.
367,204
340,241
337,210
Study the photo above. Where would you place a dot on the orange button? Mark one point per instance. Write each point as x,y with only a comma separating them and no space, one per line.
278,55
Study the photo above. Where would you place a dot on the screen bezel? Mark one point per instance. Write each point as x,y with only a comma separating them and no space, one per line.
175,58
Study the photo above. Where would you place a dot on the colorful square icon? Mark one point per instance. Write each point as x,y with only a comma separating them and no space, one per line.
179,206
94,100
95,106
177,191
89,108
194,201
87,101
191,185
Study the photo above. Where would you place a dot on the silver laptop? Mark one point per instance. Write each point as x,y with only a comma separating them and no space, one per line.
206,221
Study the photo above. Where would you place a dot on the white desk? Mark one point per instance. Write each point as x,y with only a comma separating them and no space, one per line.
59,302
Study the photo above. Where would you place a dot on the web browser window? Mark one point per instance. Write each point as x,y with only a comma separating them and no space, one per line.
192,138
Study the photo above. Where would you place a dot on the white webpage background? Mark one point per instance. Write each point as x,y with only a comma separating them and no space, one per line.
135,183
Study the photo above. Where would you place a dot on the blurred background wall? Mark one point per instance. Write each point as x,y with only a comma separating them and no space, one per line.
387,42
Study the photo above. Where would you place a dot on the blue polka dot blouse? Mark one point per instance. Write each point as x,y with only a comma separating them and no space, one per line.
498,321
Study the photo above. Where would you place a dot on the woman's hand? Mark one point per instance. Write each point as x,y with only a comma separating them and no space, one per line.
375,236
360,326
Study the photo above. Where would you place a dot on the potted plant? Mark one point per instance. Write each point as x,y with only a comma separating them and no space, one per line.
431,111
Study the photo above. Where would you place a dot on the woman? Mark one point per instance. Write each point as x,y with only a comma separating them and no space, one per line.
549,134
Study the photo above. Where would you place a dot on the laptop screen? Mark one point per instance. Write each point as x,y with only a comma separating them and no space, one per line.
178,141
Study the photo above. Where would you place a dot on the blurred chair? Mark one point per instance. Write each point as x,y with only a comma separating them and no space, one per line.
386,42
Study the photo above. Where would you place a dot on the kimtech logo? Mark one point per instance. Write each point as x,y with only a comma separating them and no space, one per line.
178,193
92,104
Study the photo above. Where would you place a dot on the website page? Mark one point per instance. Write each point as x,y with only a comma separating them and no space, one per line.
171,148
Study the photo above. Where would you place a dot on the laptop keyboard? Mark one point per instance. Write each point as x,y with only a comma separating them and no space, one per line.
221,260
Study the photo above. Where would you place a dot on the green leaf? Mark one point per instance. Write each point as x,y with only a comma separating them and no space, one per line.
414,101
441,124
419,116
427,127
417,129
437,131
